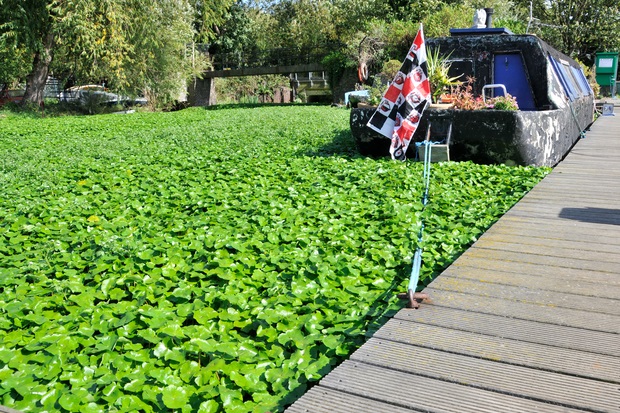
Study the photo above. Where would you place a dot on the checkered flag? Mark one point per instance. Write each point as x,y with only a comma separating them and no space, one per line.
400,110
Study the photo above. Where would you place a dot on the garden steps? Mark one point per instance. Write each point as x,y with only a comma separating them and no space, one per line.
526,320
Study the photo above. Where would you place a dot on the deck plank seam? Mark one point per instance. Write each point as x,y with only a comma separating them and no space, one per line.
512,317
588,246
510,261
508,363
479,387
499,296
537,289
545,255
375,399
465,330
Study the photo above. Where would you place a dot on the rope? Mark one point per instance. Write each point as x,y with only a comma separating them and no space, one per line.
582,134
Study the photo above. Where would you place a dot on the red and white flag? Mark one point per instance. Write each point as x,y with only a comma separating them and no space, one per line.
400,110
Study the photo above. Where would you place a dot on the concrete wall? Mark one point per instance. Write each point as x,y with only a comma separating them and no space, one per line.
201,92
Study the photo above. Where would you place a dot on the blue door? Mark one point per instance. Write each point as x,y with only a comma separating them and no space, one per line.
509,70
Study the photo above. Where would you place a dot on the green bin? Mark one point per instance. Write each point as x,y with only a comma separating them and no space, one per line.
606,72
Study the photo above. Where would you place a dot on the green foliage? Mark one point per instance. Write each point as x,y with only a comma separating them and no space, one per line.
351,16
579,29
135,47
464,98
438,77
397,37
376,90
209,260
248,89
295,24
390,68
207,15
449,16
14,62
337,63
507,102
235,33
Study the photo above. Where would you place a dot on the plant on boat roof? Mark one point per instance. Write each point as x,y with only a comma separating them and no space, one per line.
507,102
465,99
438,77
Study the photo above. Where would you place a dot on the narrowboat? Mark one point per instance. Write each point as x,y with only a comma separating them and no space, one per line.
556,103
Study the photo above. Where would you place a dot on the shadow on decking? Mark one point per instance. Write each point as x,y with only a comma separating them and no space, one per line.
592,215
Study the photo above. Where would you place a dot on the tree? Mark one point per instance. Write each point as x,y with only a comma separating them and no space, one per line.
207,16
26,26
235,37
134,44
579,29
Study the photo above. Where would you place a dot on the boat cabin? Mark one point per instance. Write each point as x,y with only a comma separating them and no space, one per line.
556,103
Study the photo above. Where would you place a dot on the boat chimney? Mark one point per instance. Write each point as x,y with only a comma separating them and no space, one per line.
489,21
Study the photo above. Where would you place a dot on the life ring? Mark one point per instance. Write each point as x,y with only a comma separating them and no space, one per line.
362,72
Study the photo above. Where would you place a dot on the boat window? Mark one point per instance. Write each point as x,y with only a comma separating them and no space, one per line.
582,81
461,68
572,79
569,70
561,78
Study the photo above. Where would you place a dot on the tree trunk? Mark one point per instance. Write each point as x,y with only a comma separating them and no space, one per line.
35,81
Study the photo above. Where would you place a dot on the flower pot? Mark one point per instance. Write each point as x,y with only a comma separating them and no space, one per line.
441,106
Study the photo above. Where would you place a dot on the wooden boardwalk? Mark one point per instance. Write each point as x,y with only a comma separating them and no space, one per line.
526,320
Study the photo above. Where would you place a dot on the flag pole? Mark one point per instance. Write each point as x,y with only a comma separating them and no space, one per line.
412,295
397,118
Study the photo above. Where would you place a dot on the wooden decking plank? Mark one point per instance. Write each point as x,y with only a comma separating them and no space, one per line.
603,214
567,225
544,313
579,167
320,399
605,204
576,182
569,215
499,349
577,189
552,251
518,278
426,394
509,262
519,381
569,169
451,281
559,197
604,211
597,240
541,259
516,329
528,239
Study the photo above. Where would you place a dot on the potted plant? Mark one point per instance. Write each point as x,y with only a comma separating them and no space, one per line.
438,76
465,99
